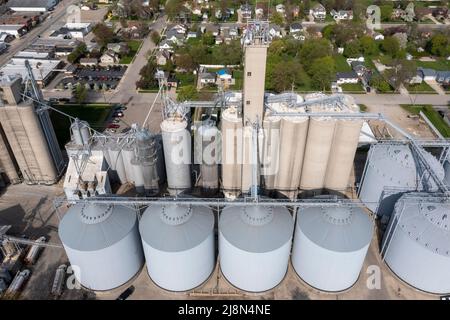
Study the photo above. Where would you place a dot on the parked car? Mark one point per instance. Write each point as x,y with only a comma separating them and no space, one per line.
113,126
124,295
118,115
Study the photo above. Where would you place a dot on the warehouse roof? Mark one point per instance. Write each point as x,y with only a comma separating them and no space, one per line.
31,3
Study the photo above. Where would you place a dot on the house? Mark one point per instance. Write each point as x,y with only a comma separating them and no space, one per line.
175,38
295,27
197,11
365,80
88,62
295,11
162,57
428,74
119,48
205,16
91,47
280,8
318,12
346,77
225,34
275,31
440,13
205,78
74,30
6,37
259,10
423,12
109,57
418,78
342,14
443,77
409,56
179,28
378,36
234,32
165,45
398,13
191,35
224,78
212,28
218,13
246,11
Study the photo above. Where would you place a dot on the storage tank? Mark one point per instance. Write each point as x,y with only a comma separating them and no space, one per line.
391,170
317,152
178,242
416,244
80,132
127,158
177,154
147,158
330,245
231,128
116,162
271,150
207,154
7,161
342,154
248,159
254,246
447,172
102,243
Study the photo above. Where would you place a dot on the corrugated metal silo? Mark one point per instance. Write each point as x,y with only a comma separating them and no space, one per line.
178,242
340,162
416,244
231,128
330,245
177,154
391,170
254,246
317,152
102,243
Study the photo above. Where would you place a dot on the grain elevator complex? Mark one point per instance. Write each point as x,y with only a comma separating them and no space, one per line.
251,186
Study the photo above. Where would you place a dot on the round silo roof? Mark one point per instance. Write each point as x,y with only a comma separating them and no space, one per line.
91,227
427,223
256,228
174,228
341,229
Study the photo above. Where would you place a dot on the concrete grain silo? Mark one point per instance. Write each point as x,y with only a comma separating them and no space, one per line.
447,172
127,158
28,144
231,128
270,151
116,162
178,242
177,154
207,154
254,246
342,154
102,243
416,243
8,163
317,152
391,170
330,245
248,159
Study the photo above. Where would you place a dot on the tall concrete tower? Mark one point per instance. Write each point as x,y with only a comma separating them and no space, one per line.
256,42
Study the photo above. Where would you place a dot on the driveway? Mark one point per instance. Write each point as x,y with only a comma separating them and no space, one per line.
436,87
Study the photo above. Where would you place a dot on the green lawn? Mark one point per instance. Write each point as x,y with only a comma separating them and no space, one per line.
134,47
441,65
369,63
185,78
239,81
432,115
420,88
95,114
352,87
385,59
341,63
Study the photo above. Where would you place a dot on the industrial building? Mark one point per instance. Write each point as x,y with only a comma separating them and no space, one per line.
31,5
252,186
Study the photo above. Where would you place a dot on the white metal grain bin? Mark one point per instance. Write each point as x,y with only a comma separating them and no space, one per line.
207,154
102,243
177,154
178,242
330,245
416,243
127,158
342,155
116,162
254,246
317,152
231,129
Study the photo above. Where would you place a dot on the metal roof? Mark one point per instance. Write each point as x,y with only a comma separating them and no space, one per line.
341,229
256,229
174,228
91,227
31,3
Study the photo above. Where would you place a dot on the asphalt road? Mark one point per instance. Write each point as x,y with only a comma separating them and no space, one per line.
22,43
396,99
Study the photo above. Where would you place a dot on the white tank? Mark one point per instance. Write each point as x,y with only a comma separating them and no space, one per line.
416,243
177,154
207,154
127,158
342,154
391,170
330,245
447,172
231,128
116,162
317,152
271,150
178,242
102,243
248,160
254,246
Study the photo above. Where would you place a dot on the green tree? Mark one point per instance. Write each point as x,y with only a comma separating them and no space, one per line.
439,45
390,46
352,49
173,8
369,46
386,12
208,39
185,61
401,72
147,74
77,53
277,19
313,49
283,75
322,72
379,83
155,37
187,93
80,93
103,34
